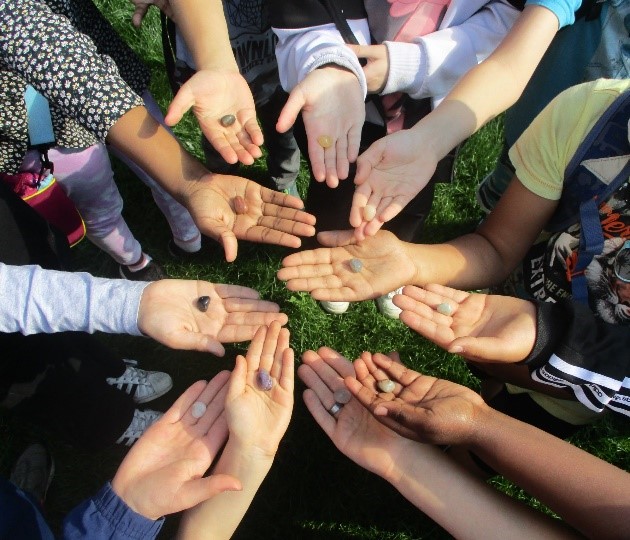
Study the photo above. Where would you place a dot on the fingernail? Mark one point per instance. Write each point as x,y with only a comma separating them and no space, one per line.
456,349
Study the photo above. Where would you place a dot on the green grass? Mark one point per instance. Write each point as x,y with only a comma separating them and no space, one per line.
312,492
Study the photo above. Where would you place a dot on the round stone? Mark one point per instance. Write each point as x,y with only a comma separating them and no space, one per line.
386,385
203,302
444,308
264,380
342,396
369,212
240,205
356,265
198,409
325,141
227,120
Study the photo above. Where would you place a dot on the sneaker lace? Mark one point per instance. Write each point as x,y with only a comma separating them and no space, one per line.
139,424
132,377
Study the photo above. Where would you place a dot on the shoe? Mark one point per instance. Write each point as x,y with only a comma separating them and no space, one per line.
291,189
335,308
142,420
387,307
146,385
181,254
151,272
33,471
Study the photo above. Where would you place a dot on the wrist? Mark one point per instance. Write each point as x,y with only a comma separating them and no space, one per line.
401,451
484,421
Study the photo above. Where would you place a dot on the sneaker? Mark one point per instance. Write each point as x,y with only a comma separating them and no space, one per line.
291,189
142,420
387,307
151,272
33,471
146,385
335,308
181,254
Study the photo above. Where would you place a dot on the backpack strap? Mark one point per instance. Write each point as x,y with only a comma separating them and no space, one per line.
583,191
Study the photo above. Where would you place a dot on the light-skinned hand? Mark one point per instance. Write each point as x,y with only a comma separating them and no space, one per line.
164,471
212,94
142,6
481,327
272,217
377,67
331,104
326,272
257,419
168,313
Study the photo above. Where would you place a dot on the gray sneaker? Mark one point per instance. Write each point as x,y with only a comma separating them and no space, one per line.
141,421
145,385
291,189
33,471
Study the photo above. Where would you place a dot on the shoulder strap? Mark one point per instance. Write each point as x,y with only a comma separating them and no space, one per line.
40,129
169,48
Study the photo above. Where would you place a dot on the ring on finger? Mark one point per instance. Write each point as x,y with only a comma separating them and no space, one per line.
335,408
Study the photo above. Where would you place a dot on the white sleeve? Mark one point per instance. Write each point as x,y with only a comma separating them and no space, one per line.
301,50
34,300
432,64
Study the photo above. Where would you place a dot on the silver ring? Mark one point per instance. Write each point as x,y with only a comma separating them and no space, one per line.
335,408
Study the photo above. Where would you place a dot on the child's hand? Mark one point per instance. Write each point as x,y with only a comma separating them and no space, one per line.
213,94
377,68
331,103
327,275
481,327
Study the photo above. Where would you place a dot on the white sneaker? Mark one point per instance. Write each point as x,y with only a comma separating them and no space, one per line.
139,424
335,308
146,385
387,307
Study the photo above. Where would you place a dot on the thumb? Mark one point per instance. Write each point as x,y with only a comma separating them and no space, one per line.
487,349
139,14
181,103
368,160
237,379
362,51
336,238
290,111
229,243
201,489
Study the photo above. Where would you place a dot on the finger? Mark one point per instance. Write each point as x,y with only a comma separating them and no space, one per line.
308,257
245,305
362,51
229,243
337,361
367,161
189,340
281,345
255,319
399,417
183,403
336,238
138,15
396,371
317,157
325,420
236,333
268,352
393,208
343,164
359,200
440,334
182,102
238,379
486,349
326,373
207,397
255,348
287,201
287,377
289,113
354,142
447,292
199,490
233,291
215,405
289,226
255,133
220,142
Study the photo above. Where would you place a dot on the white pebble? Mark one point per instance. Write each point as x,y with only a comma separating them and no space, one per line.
369,212
386,385
198,409
444,308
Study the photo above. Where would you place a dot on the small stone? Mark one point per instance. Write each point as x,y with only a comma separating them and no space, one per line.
356,265
227,120
203,302
263,379
325,141
240,205
444,308
198,409
386,385
342,396
369,212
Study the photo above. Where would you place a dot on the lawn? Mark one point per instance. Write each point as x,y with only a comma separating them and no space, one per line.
312,492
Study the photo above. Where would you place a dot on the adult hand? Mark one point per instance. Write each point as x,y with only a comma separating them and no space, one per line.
481,327
420,407
164,471
257,418
353,430
390,173
377,67
168,313
213,94
271,217
142,6
327,275
331,103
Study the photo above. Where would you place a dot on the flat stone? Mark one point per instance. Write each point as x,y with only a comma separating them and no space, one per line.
325,141
264,380
203,302
342,396
356,265
198,409
240,205
227,120
369,212
386,385
444,308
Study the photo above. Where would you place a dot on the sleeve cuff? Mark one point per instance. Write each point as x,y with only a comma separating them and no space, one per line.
551,326
406,69
340,57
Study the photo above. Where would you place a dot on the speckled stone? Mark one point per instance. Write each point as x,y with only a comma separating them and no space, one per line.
356,265
203,302
386,385
325,141
342,396
240,205
444,308
227,120
264,380
369,212
198,409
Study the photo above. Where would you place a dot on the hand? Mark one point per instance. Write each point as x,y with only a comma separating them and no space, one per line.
353,430
272,217
420,407
164,471
390,173
331,103
482,327
168,313
257,419
142,6
377,68
213,94
326,273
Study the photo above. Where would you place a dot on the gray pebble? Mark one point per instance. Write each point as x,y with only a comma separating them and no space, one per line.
444,308
356,265
227,120
198,409
342,396
203,302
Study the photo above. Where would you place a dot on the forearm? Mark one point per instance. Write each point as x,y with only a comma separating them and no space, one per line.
461,503
588,493
218,517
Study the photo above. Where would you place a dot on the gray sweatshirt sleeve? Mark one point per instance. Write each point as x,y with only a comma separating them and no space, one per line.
34,300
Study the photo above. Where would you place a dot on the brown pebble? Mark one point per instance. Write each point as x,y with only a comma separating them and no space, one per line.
325,141
240,205
227,120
